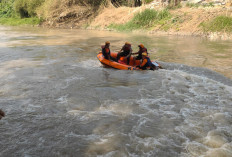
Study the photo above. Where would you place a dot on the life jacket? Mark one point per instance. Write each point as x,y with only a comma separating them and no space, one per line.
105,51
146,62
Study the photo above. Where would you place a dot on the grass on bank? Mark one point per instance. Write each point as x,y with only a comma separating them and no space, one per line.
218,24
19,21
197,5
19,12
146,19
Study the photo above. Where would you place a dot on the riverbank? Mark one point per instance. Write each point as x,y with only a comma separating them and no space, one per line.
183,21
190,19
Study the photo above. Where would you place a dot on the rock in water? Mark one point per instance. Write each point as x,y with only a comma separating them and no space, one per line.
2,114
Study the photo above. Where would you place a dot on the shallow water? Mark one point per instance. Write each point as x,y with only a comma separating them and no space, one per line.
60,101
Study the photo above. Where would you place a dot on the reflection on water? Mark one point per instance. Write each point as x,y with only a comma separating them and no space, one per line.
60,101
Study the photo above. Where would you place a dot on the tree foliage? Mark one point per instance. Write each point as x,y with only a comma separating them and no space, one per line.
6,8
27,8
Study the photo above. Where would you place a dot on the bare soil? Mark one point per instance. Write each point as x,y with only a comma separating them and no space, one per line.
187,19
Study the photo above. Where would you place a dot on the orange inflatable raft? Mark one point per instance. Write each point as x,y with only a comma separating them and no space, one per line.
121,64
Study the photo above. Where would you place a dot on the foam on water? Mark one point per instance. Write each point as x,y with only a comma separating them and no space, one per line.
90,64
198,118
203,72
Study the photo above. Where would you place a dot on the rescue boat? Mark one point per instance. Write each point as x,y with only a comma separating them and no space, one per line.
122,62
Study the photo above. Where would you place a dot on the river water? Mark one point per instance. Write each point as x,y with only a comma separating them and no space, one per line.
60,101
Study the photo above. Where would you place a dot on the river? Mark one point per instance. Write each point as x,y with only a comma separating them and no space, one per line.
60,101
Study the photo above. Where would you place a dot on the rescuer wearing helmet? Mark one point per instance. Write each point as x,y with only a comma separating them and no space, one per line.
142,49
106,50
146,62
125,51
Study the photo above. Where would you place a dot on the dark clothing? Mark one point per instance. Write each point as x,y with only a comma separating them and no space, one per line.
146,63
106,52
2,114
141,50
126,50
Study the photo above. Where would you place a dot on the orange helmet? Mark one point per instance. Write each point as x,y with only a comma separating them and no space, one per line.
127,43
141,45
107,42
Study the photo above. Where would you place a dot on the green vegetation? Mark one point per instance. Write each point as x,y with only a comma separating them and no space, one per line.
197,5
174,6
6,8
208,4
18,21
19,12
146,19
192,5
148,1
218,24
27,8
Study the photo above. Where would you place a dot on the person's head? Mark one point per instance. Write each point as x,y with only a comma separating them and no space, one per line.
127,43
107,44
144,54
141,46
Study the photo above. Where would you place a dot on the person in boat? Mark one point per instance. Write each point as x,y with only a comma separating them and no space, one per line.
2,114
142,49
126,52
146,62
106,50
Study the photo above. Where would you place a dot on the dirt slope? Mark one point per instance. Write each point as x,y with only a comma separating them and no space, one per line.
187,20
114,15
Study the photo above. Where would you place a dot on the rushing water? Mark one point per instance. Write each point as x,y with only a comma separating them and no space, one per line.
60,101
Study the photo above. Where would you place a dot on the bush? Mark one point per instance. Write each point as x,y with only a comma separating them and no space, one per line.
19,21
192,5
148,1
149,17
6,8
219,24
27,8
145,19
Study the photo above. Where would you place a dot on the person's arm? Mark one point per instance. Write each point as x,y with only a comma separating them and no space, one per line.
144,62
135,53
121,50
